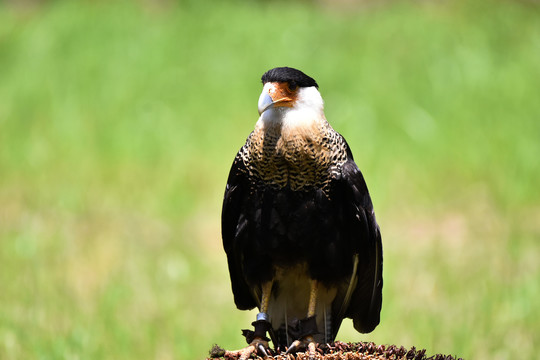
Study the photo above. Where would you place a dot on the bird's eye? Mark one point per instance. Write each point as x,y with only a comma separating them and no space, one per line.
292,86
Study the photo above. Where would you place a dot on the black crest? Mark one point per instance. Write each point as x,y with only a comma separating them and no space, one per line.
289,75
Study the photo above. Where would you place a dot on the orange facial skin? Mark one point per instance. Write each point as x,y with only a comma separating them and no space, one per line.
282,94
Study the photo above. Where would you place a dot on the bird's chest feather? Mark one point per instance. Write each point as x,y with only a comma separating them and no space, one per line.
298,160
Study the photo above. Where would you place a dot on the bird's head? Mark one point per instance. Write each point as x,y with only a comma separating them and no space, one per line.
286,89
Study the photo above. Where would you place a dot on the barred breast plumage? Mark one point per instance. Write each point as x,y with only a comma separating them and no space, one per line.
299,161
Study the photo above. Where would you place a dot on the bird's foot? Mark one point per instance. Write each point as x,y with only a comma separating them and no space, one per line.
303,330
257,346
306,343
257,340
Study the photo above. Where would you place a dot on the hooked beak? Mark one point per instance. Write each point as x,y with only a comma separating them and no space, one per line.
273,95
265,102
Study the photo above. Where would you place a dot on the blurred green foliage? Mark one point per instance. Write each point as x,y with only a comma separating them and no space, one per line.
119,121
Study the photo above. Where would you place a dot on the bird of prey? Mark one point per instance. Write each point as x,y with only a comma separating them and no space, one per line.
298,224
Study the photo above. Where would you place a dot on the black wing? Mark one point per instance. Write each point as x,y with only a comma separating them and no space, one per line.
232,221
365,302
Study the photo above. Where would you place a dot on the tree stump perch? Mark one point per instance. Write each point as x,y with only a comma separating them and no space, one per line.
347,351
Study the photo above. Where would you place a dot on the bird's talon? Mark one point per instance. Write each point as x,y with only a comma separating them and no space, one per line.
262,350
293,348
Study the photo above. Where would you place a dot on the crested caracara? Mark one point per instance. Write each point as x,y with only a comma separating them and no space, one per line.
298,225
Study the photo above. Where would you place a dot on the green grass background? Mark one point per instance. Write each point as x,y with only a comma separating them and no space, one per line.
119,122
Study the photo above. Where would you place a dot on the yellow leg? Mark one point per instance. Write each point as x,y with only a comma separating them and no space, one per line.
265,296
311,312
313,298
